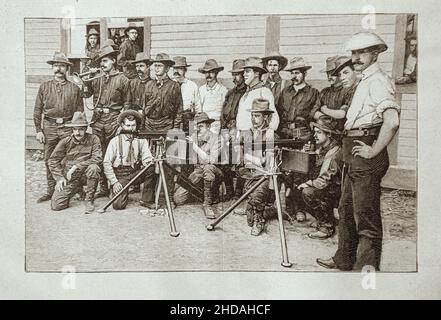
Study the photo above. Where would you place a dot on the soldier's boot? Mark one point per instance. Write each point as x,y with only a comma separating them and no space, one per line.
89,205
258,224
46,197
229,190
250,215
104,189
208,200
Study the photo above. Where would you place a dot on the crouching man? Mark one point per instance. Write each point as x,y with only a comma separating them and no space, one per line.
320,195
124,157
258,161
207,146
74,162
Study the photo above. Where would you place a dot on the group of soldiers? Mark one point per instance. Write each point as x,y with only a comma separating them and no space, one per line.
348,126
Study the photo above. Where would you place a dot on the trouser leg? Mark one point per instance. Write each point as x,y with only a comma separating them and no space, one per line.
92,173
181,194
319,205
347,231
123,176
147,195
60,199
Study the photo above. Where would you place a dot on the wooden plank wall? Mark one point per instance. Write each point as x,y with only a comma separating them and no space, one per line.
316,37
407,134
223,38
42,39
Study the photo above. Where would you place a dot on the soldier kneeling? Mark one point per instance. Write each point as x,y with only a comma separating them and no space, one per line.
124,157
75,162
320,195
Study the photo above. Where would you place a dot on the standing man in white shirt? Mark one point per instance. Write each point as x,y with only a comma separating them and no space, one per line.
212,93
189,89
372,121
256,89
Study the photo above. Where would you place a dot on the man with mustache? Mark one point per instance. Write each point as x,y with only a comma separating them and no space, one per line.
110,95
212,93
137,85
207,146
76,161
253,71
128,51
258,161
189,89
296,103
57,100
371,123
163,111
274,63
228,121
124,157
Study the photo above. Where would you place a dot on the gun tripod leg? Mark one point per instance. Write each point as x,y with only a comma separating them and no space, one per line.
285,260
211,226
173,232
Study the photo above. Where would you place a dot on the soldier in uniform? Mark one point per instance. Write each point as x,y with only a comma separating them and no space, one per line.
110,95
296,103
137,85
207,147
57,100
162,112
128,51
124,157
258,161
76,161
371,123
320,194
274,63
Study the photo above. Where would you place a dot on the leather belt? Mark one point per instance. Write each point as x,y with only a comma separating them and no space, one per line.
362,132
107,110
57,120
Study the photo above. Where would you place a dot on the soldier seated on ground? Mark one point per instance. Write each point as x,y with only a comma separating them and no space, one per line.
74,162
125,156
320,195
258,161
207,146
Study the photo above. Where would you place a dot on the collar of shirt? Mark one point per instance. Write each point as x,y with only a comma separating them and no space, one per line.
300,87
325,150
258,85
144,80
370,70
60,83
75,141
213,88
160,82
240,87
277,78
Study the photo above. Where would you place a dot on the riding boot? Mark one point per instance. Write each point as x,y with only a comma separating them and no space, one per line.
104,189
208,200
238,191
89,200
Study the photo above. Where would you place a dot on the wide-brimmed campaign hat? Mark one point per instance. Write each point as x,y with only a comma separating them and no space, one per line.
142,57
260,105
128,113
78,120
106,51
59,57
255,63
276,56
202,117
92,32
164,58
340,63
238,65
211,65
297,63
363,40
330,64
130,27
180,62
325,123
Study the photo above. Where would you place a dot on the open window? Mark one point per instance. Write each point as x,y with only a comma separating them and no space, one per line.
408,74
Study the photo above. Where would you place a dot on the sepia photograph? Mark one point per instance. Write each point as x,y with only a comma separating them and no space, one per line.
245,142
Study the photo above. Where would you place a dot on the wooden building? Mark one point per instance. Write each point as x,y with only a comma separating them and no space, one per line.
225,38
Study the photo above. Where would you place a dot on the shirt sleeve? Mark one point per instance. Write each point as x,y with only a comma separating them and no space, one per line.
383,96
197,99
179,105
122,61
315,101
109,157
275,120
38,109
79,102
146,154
328,170
56,158
215,149
96,155
125,83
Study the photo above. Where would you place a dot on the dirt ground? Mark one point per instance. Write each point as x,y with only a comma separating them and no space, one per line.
130,241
